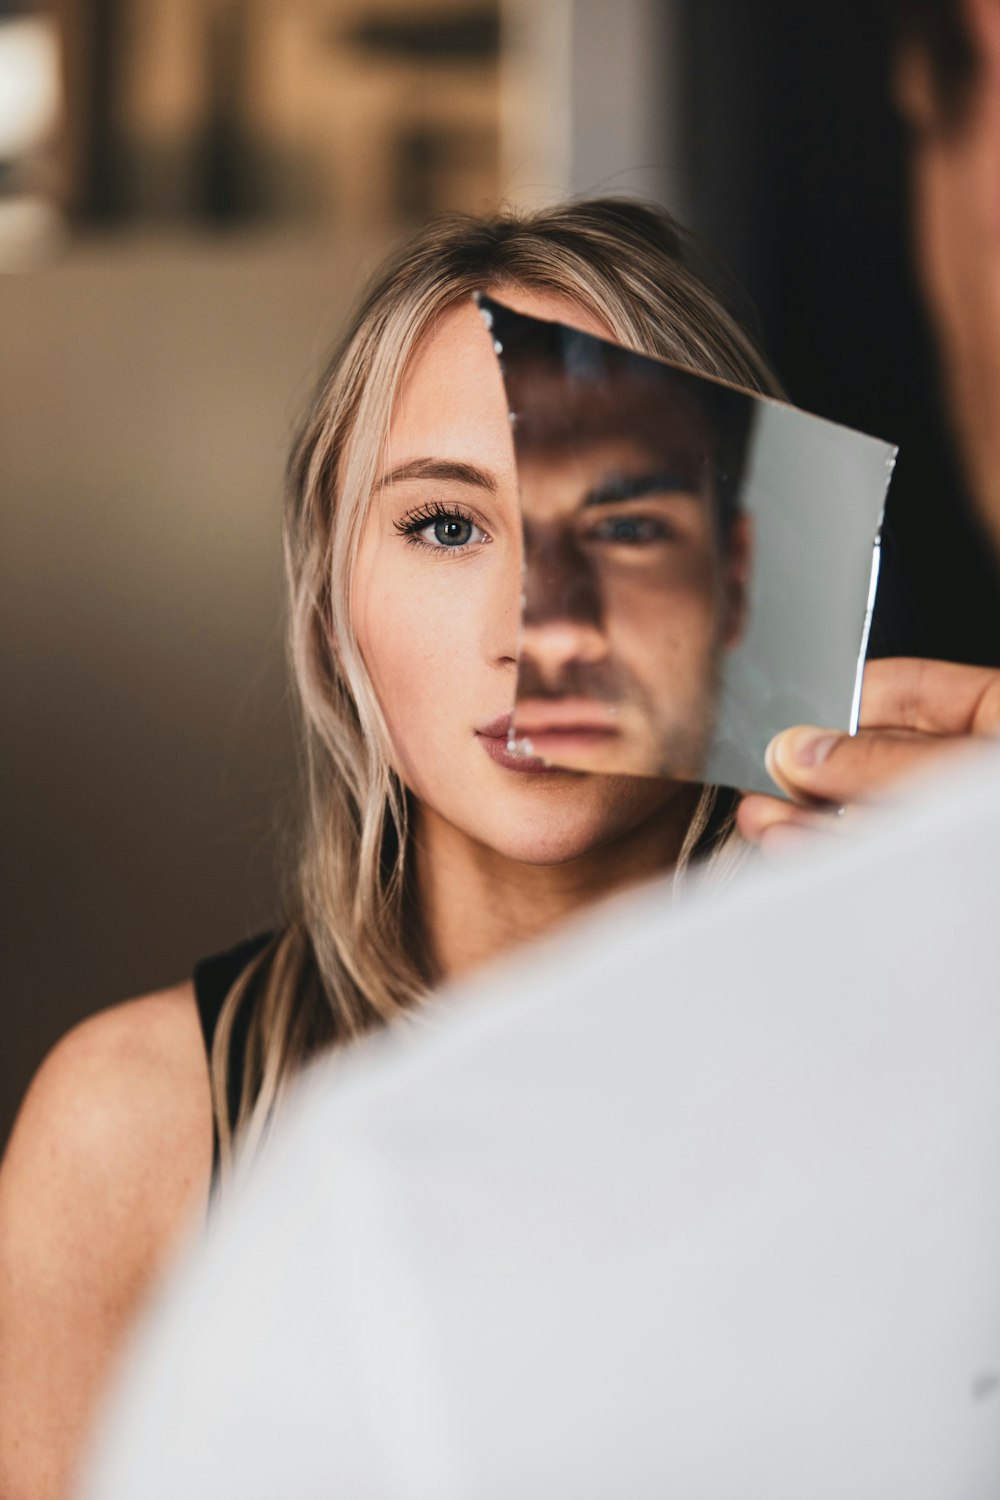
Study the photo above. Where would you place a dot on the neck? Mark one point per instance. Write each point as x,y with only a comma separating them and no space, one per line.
958,220
974,383
476,904
969,336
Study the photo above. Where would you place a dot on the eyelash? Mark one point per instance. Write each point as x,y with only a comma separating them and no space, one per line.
415,521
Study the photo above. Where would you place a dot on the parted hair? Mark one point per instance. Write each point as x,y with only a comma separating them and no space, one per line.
348,957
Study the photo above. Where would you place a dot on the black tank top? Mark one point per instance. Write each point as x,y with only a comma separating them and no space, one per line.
213,979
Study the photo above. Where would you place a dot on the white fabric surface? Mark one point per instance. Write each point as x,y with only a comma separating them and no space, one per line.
699,1201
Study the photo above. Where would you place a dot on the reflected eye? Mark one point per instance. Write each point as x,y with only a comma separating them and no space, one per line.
441,530
630,531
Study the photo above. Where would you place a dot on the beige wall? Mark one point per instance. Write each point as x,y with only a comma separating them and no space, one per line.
147,393
324,116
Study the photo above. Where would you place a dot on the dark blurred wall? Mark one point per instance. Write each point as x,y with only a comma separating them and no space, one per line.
797,174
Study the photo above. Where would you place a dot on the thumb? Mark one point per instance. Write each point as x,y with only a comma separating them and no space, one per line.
813,764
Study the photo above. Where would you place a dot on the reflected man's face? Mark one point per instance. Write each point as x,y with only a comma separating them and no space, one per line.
633,588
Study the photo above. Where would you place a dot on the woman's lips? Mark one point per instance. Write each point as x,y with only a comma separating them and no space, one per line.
496,748
496,729
495,739
549,731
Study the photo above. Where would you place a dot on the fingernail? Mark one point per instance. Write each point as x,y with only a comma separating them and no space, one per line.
804,747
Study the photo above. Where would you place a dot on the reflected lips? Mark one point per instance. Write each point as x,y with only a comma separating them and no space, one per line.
566,726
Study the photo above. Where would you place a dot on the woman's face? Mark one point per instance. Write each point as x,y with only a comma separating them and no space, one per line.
436,605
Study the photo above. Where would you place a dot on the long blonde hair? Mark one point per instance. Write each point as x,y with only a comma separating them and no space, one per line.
348,960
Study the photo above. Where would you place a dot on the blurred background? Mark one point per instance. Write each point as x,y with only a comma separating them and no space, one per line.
192,192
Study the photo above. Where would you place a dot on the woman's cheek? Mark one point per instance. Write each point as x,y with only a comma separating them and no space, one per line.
421,653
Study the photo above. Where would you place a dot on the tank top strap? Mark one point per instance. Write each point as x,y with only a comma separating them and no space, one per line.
213,979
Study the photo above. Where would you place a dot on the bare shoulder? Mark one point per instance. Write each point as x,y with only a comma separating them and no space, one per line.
121,1106
109,1162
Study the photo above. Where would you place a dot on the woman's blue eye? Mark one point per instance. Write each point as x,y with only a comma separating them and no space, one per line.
439,529
450,531
630,531
453,532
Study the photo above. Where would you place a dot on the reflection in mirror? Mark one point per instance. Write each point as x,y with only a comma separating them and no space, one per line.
699,561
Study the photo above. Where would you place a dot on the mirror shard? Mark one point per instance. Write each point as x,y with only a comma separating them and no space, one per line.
699,560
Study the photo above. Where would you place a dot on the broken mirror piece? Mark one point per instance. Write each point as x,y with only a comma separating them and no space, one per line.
699,560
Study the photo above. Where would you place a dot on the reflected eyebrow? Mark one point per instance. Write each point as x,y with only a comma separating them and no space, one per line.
618,487
446,469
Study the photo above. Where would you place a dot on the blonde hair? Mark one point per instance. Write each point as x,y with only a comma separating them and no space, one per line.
348,959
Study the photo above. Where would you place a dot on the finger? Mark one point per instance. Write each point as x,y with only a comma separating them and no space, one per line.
930,697
757,816
811,764
785,838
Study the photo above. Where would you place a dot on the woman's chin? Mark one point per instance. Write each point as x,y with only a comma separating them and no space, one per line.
570,824
550,843
546,853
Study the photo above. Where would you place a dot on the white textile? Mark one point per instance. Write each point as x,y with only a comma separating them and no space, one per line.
699,1202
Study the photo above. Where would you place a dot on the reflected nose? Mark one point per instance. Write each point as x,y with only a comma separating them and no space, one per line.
563,619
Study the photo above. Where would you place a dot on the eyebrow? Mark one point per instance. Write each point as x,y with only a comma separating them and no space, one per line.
619,487
447,469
